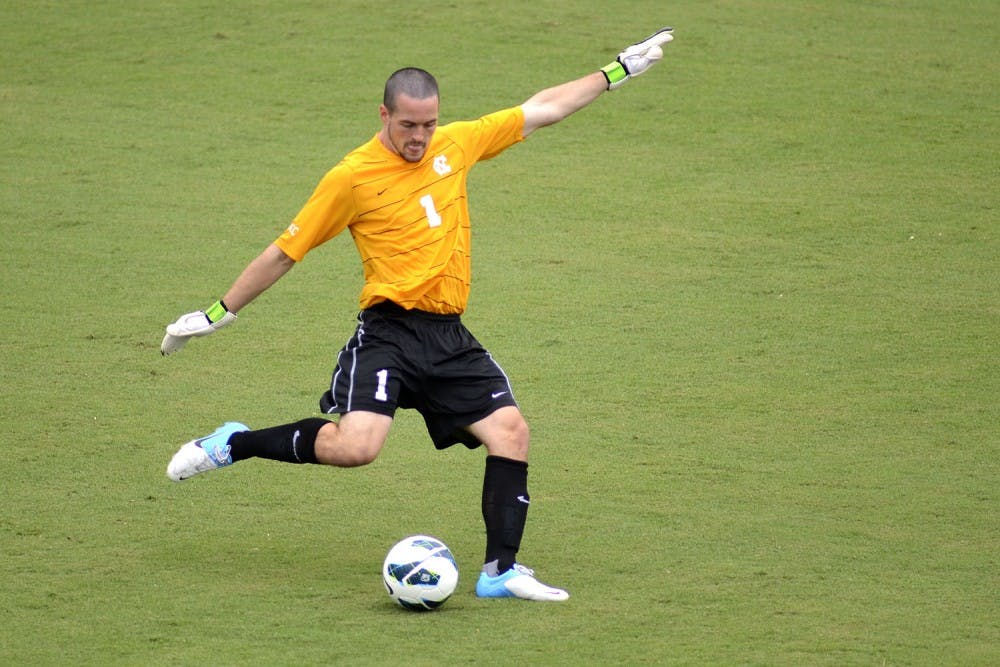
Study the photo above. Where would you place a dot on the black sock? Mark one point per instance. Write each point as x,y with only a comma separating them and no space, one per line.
505,509
291,443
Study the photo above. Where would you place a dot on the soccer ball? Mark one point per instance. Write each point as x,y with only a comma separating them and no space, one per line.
420,573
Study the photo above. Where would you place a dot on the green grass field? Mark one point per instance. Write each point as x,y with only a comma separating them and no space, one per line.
749,304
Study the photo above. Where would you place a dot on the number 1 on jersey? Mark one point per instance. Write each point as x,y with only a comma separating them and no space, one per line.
433,217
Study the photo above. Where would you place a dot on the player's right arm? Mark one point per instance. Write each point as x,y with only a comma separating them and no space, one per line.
259,275
325,215
265,270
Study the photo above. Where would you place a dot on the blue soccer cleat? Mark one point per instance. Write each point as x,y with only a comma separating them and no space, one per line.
518,582
204,454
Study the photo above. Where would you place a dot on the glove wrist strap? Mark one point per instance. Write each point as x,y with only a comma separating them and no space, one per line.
216,311
615,73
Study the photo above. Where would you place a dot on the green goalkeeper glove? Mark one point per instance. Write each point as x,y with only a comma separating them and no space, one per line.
198,323
636,59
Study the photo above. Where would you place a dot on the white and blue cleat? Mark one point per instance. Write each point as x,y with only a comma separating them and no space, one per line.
518,582
204,454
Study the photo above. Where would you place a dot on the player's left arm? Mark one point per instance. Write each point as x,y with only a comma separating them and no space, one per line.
551,105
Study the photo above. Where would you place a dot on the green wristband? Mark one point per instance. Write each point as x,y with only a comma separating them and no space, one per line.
615,73
216,311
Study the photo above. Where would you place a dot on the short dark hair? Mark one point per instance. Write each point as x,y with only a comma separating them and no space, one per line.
412,81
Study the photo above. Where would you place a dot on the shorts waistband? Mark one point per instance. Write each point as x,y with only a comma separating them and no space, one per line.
393,309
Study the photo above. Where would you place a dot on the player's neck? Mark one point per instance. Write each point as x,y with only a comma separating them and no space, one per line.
383,139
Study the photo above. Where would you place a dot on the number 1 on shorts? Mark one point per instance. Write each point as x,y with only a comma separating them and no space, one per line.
383,379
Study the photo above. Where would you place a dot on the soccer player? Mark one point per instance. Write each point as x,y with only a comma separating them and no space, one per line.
402,196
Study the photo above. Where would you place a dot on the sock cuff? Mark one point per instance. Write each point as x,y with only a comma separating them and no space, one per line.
503,461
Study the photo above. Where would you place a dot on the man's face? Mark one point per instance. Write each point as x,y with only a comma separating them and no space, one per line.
407,131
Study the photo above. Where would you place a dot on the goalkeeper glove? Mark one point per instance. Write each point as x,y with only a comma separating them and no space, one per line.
198,323
636,59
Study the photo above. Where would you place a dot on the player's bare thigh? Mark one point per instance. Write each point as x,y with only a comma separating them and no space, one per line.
504,432
355,440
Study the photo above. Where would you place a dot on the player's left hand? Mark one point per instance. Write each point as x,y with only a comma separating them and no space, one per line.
636,59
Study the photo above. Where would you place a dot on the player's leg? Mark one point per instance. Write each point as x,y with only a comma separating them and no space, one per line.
472,402
361,391
505,485
505,508
353,441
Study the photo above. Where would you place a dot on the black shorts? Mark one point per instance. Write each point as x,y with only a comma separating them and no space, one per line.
414,359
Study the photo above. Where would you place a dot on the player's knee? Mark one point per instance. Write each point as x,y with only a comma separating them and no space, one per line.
339,447
521,434
513,440
358,456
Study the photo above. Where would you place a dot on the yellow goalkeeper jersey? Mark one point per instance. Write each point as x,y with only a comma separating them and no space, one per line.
409,221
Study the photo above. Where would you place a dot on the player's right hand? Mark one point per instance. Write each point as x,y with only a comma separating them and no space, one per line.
192,325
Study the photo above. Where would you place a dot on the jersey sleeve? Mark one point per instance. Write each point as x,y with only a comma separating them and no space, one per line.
492,134
328,212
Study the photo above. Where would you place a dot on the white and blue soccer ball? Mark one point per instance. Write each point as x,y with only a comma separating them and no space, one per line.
420,573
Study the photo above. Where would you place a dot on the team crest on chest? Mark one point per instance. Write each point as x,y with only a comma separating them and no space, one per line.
441,165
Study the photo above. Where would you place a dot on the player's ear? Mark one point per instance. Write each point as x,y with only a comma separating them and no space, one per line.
383,113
